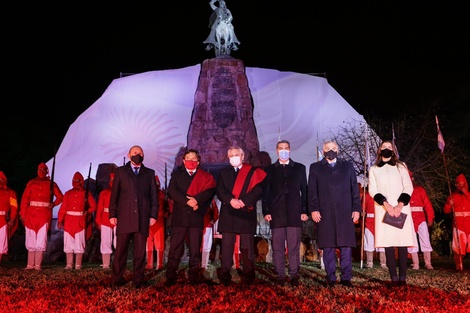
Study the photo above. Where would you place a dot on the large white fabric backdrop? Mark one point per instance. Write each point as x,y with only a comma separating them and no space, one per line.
153,109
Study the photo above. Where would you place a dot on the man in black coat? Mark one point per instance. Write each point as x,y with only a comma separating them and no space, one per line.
285,208
192,189
335,205
133,208
239,187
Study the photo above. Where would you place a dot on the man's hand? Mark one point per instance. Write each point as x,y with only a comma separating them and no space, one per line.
268,218
152,221
60,225
113,221
355,217
304,217
316,216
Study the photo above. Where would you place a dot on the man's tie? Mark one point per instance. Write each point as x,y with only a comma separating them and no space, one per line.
191,173
136,170
332,164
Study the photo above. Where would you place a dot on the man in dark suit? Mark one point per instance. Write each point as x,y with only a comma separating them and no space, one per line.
239,187
133,208
335,205
191,189
285,208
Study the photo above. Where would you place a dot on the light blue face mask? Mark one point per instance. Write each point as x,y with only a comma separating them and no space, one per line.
284,154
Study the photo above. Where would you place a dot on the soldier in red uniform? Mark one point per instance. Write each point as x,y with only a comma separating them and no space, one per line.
212,215
423,217
8,212
458,203
107,230
36,214
72,218
369,230
156,237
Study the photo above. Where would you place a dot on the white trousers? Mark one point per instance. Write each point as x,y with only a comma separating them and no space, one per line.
36,241
423,236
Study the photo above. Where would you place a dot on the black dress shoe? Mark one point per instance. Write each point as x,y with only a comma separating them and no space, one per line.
140,284
330,284
346,283
394,284
170,282
402,283
294,282
118,283
280,281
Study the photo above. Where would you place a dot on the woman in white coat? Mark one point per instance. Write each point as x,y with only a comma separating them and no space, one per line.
391,187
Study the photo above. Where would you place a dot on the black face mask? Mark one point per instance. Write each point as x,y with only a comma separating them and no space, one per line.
386,153
330,155
137,159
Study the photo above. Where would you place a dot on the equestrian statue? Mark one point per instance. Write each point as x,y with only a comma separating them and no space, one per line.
222,36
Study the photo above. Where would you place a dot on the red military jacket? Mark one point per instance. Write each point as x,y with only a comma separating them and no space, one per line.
72,213
421,207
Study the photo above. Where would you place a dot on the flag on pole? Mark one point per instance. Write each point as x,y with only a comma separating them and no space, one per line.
440,139
393,141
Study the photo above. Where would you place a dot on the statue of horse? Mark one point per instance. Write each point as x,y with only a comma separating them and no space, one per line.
222,36
225,38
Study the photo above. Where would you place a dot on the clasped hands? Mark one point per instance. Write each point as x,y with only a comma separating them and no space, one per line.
237,203
393,210
192,202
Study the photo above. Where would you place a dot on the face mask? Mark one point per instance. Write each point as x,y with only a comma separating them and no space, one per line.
235,161
330,155
386,153
284,154
137,159
190,164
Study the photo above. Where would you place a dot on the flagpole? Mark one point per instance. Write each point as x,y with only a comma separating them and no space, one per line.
364,195
441,145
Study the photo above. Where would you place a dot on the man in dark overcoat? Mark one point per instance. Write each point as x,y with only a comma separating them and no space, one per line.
239,187
133,208
334,204
285,208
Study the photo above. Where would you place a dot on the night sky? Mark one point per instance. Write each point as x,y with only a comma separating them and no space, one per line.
381,56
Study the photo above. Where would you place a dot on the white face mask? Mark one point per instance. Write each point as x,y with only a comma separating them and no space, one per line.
284,155
235,161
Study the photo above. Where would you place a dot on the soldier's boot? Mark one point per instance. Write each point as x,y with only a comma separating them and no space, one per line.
458,262
106,260
383,260
30,264
68,261
369,259
160,259
427,260
38,260
415,259
205,259
149,265
78,261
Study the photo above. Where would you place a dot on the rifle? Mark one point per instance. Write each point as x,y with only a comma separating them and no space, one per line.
51,195
88,243
165,203
51,199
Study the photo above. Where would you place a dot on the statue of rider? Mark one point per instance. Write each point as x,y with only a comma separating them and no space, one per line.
220,14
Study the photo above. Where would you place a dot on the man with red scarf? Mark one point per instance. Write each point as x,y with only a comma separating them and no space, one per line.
458,203
72,217
192,190
239,187
36,214
8,212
